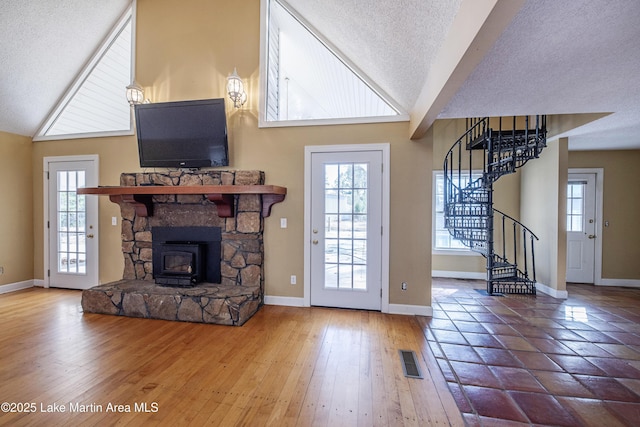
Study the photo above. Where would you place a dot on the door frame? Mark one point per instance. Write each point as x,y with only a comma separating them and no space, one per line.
46,204
597,261
309,150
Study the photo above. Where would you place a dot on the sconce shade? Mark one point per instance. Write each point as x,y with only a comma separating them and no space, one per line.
135,94
235,89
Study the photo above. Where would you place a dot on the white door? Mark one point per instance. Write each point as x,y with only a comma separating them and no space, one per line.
346,229
72,221
581,228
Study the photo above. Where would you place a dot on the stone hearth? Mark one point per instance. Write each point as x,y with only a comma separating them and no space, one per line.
231,302
205,303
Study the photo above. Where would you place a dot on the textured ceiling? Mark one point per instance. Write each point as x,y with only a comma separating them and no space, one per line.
562,57
43,46
393,42
556,57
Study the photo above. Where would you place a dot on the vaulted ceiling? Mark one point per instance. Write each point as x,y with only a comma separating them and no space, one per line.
436,58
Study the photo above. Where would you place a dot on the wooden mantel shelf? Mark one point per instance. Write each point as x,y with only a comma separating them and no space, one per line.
141,197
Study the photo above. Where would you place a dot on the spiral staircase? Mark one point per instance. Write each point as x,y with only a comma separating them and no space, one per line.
469,215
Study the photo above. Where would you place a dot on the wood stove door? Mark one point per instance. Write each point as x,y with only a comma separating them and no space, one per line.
72,224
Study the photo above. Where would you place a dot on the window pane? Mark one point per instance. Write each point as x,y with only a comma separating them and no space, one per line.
576,223
331,201
359,277
345,251
345,204
331,275
346,176
345,272
360,175
442,238
331,226
331,176
360,226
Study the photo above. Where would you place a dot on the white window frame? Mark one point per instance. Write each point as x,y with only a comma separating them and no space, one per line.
465,251
262,107
130,13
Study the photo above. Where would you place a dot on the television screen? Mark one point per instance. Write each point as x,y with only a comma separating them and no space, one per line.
184,134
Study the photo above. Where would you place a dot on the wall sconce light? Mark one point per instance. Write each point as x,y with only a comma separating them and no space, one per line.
235,89
135,94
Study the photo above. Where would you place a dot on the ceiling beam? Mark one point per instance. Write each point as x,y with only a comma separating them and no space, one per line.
475,29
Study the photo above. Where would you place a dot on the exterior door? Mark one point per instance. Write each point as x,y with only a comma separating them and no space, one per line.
581,228
72,221
346,229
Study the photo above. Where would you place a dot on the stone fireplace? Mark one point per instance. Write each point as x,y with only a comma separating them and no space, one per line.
198,226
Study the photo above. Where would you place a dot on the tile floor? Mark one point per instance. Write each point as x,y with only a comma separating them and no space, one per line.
536,359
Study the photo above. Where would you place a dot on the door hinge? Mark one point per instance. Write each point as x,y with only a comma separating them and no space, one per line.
382,230
47,174
48,224
380,292
48,273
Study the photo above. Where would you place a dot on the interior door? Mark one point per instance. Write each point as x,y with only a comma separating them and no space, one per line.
581,228
346,229
72,224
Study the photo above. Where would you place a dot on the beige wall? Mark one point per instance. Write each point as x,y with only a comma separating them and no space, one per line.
621,207
185,50
543,208
16,224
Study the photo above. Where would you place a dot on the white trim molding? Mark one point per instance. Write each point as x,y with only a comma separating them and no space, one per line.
285,301
18,286
411,310
459,274
625,283
551,291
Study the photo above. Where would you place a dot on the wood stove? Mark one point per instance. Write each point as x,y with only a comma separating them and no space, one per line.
186,256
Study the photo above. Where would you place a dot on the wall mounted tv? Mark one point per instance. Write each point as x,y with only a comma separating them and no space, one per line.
184,134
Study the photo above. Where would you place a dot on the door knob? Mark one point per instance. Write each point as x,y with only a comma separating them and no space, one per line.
315,242
592,236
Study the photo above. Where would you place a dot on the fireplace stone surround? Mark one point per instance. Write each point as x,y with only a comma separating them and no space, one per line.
240,292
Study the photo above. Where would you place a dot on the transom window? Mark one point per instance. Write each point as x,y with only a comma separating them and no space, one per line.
304,79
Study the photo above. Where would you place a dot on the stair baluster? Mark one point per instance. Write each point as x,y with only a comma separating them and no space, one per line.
469,212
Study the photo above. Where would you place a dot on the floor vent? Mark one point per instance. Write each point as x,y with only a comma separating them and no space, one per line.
410,364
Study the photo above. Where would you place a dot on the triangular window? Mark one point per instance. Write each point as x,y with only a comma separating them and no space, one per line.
304,79
96,105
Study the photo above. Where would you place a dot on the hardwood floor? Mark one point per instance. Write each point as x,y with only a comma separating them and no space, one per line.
285,367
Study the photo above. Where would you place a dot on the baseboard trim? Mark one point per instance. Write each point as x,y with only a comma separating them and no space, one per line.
551,291
286,301
18,286
39,283
458,274
626,283
411,310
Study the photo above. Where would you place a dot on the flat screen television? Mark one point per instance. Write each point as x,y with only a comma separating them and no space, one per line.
183,134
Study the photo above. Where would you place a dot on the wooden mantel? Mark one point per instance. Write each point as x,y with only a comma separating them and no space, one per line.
141,197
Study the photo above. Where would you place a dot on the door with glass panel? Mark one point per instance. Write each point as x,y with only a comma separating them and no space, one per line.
581,228
346,229
72,225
